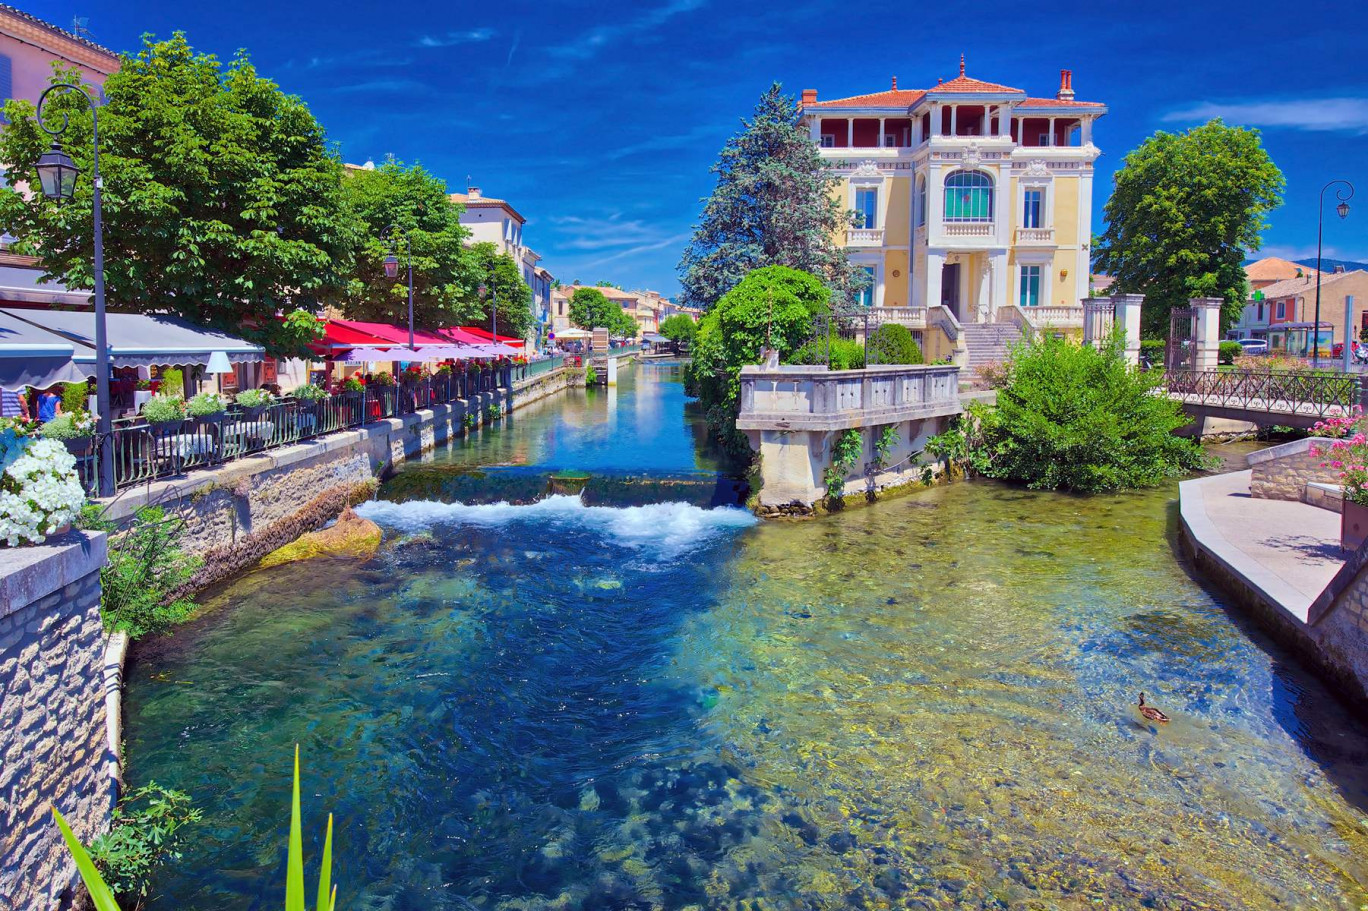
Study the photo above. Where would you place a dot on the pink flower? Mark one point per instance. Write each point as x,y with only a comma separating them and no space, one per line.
1337,464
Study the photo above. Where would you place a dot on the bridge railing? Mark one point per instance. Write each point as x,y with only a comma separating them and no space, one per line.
1317,393
815,398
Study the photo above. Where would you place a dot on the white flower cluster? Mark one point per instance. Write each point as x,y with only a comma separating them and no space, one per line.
39,493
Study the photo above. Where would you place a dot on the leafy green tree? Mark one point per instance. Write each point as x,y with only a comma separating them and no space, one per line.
775,306
590,308
1186,211
1074,417
680,329
773,205
428,226
222,199
513,297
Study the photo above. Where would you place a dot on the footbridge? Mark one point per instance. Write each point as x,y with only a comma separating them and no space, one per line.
1267,398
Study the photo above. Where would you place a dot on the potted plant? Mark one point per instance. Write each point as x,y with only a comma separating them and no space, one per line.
75,429
254,402
40,492
207,407
1349,456
353,384
383,378
164,414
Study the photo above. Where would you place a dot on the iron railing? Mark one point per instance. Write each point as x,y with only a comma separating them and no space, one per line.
1320,394
144,452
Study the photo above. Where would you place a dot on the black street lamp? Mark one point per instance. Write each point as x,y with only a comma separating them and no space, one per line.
392,270
57,177
1343,210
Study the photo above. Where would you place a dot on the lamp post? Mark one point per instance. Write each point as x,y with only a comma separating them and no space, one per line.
1343,210
392,270
57,177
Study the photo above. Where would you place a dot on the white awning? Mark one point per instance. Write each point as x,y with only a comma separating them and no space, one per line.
138,339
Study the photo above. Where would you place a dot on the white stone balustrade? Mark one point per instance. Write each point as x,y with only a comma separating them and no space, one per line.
1035,235
968,229
819,399
911,317
864,237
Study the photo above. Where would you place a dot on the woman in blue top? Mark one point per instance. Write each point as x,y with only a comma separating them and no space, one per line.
49,406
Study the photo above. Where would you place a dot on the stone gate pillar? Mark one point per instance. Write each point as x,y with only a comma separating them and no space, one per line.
1126,308
1206,338
1098,319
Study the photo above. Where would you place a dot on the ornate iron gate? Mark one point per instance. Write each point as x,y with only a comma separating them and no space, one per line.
1181,351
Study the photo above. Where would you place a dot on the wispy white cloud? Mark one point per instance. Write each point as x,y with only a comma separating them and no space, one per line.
674,240
451,39
1318,115
612,231
380,86
596,40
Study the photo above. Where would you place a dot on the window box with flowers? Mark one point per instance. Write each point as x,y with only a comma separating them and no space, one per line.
254,402
74,429
1348,454
164,414
207,407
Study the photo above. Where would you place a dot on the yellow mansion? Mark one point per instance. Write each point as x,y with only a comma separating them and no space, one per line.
973,200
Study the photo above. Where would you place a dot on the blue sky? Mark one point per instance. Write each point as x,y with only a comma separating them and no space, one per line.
599,120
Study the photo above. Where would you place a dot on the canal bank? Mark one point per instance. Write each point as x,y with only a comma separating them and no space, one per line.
925,703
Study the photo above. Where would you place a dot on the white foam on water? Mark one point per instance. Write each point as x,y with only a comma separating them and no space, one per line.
666,529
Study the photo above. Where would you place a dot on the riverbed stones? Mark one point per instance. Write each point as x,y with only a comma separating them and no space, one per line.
350,536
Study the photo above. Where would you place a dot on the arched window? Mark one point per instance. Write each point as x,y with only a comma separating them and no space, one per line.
921,201
969,196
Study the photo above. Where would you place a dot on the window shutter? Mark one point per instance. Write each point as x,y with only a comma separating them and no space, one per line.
6,83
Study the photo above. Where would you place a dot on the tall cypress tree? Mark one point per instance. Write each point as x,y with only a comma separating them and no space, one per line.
773,206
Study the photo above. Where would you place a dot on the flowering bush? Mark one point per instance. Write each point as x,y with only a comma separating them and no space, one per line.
204,404
382,378
161,409
254,398
69,425
353,384
39,489
1348,454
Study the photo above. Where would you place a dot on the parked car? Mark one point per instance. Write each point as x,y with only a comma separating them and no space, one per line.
1337,349
1254,346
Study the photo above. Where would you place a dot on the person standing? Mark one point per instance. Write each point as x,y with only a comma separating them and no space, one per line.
49,405
13,404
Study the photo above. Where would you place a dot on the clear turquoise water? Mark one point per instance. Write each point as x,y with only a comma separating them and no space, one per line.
923,704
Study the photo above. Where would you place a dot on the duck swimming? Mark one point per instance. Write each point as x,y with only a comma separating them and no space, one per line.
1150,712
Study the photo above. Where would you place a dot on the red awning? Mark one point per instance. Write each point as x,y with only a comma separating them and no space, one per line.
386,333
484,335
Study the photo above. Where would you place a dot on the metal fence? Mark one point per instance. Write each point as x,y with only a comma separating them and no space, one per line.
145,452
1311,393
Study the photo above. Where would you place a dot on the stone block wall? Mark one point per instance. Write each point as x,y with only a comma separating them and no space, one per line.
54,749
1282,472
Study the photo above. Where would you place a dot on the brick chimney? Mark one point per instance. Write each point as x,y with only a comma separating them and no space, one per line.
809,96
473,192
1339,268
1066,92
895,83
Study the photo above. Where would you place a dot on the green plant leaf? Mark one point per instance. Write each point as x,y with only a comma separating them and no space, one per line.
325,873
95,885
294,865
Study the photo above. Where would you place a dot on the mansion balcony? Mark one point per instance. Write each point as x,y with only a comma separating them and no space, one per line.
1027,237
911,317
864,237
968,229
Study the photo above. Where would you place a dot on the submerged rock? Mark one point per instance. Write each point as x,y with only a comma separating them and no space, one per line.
350,536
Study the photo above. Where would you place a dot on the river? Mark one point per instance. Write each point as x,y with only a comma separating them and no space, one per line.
644,698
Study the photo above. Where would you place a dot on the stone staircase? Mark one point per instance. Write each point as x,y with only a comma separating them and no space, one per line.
988,343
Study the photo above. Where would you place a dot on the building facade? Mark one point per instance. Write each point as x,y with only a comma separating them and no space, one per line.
28,48
1290,311
495,221
969,195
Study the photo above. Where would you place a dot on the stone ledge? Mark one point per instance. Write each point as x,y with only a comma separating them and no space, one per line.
1282,450
844,420
30,573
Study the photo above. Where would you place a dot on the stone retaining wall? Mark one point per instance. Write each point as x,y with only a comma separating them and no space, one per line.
55,748
1282,472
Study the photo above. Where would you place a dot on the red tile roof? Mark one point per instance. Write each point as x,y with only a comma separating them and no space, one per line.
1057,103
896,98
963,83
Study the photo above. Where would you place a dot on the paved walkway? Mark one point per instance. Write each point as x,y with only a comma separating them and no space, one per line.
1290,551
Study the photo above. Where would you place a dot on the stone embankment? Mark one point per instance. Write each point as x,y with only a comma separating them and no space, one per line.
55,747
1257,534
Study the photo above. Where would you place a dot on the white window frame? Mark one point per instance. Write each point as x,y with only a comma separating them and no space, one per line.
1044,185
1043,259
828,141
872,261
856,190
921,200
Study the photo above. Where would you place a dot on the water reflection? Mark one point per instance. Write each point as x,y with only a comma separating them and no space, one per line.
924,704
